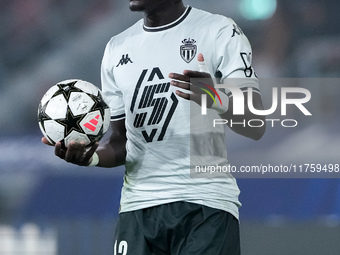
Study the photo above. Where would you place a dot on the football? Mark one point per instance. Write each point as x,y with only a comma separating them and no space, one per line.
73,110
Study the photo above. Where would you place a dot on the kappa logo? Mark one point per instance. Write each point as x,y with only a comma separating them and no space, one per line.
92,124
124,60
236,30
188,50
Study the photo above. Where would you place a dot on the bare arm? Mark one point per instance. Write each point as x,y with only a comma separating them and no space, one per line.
113,151
244,129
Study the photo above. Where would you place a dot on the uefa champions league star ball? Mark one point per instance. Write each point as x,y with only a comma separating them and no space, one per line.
73,110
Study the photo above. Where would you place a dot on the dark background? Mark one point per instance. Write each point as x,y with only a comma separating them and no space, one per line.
72,210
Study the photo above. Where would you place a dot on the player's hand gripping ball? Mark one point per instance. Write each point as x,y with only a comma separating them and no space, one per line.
73,110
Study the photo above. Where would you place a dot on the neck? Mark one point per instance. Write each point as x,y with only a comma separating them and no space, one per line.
163,16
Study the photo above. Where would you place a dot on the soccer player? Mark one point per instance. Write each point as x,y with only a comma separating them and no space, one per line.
147,73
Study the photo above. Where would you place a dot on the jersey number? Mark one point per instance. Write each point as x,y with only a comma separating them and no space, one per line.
154,96
122,248
246,58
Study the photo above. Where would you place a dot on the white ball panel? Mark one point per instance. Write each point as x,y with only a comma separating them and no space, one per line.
67,81
92,123
44,133
107,117
57,107
76,137
80,103
49,94
87,87
54,130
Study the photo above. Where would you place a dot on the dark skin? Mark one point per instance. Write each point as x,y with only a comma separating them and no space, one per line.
113,152
158,12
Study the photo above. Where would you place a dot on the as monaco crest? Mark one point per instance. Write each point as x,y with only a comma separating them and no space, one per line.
188,50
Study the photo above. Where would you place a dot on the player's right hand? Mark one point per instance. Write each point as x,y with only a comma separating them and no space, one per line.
45,141
75,153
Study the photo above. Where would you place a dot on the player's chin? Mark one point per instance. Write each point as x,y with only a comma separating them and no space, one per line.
137,5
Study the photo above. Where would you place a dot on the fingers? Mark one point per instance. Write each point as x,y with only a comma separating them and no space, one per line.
181,94
58,151
182,85
75,153
189,74
200,57
45,141
197,74
201,64
192,89
180,77
88,155
181,81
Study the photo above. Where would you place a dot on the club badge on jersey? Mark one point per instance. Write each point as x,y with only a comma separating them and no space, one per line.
188,50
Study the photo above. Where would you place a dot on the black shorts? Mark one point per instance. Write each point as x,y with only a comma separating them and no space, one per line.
179,228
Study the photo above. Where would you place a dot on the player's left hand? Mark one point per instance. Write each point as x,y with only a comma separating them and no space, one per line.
183,81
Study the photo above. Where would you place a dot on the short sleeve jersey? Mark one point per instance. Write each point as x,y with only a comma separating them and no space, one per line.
135,82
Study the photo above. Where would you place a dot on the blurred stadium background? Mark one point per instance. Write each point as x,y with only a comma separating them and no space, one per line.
51,207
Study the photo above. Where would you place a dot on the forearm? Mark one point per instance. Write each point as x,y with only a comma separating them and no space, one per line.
112,153
240,123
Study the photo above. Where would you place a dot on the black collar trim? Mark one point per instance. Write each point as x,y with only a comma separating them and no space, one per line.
171,25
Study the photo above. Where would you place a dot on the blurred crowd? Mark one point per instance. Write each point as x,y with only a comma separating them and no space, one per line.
301,39
31,27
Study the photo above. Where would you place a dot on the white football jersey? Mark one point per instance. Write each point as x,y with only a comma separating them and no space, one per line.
160,142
